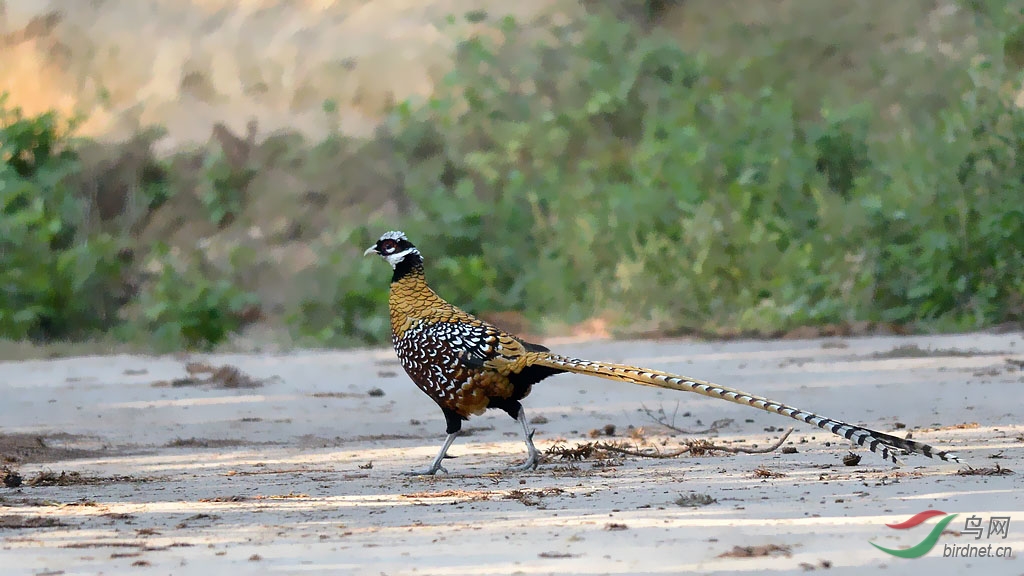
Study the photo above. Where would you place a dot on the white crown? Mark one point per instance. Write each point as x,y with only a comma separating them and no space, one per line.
394,235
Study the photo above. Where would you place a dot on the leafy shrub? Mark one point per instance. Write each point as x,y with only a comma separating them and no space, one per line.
599,170
590,169
56,279
222,185
221,188
949,230
346,296
185,308
571,170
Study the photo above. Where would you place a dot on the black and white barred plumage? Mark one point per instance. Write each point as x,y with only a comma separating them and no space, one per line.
885,445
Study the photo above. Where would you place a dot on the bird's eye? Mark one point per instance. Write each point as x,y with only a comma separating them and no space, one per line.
388,246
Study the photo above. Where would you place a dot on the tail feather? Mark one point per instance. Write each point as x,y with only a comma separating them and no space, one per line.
880,443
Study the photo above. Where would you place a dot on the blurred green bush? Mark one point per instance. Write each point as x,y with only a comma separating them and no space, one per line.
63,278
567,171
188,307
595,170
57,280
945,218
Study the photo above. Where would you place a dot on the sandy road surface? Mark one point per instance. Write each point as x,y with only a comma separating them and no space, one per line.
301,473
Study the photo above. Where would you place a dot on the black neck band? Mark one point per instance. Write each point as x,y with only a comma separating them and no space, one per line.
407,265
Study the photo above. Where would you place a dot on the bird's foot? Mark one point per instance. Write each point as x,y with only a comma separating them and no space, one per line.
426,471
530,464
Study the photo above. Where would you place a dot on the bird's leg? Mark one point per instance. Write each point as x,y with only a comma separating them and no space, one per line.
532,456
436,464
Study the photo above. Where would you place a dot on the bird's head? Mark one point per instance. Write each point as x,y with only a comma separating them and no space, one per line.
395,248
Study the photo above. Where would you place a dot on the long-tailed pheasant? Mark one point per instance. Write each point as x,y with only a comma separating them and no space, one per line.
467,365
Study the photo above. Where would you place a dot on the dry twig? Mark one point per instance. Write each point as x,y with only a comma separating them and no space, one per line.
661,418
996,471
696,447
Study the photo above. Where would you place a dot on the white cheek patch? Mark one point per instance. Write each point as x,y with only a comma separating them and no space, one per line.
394,259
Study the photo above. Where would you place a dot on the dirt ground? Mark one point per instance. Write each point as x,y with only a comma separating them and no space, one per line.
293,464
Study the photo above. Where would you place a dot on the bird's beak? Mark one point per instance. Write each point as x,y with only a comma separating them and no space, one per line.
370,250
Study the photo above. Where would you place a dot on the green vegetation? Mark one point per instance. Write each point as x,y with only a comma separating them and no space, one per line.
183,308
599,170
62,276
57,280
570,170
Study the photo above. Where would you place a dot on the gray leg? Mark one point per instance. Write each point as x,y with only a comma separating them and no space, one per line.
436,464
532,456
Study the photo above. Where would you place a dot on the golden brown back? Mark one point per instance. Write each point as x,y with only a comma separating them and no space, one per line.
460,361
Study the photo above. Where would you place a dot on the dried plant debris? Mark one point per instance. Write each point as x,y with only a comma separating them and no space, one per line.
694,500
47,447
555,555
662,418
236,498
118,516
915,351
50,478
24,502
960,426
14,521
461,495
532,497
140,544
757,551
204,518
997,470
203,443
125,555
203,374
335,395
11,478
103,544
762,472
472,430
289,496
581,451
851,459
615,526
698,447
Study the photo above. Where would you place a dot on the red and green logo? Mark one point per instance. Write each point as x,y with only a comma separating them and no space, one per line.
922,547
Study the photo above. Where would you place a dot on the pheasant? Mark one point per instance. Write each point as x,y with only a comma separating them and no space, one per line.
467,365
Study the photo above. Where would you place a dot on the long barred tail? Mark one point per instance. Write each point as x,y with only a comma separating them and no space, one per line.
880,443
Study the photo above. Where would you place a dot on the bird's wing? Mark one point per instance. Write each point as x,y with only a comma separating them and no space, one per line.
481,345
